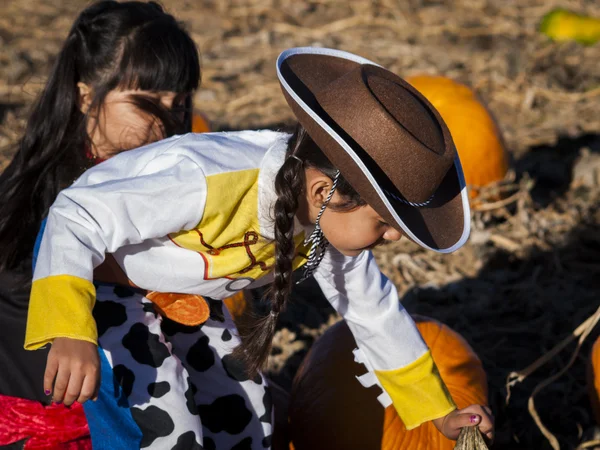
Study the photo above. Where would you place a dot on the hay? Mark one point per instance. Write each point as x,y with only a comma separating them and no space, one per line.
529,274
470,439
538,90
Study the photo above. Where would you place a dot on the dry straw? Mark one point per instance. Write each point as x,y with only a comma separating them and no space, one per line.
581,332
470,439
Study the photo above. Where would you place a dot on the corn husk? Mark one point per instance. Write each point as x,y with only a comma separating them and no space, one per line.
470,438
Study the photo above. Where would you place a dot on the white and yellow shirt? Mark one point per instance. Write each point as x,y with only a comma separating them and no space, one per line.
192,214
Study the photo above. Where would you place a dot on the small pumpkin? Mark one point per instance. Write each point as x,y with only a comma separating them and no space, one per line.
594,379
330,409
564,25
474,131
200,123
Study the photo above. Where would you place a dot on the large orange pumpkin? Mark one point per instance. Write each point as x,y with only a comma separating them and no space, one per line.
594,379
330,409
473,129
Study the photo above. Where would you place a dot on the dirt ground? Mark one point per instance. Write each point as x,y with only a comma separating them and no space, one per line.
530,273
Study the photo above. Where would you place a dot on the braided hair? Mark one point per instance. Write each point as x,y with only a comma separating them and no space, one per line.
302,153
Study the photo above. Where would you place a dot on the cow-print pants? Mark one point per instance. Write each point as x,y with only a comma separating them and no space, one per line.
182,387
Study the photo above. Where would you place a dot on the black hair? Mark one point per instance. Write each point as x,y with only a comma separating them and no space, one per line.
111,45
289,185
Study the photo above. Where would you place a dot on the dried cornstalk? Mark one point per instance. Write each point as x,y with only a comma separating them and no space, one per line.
470,439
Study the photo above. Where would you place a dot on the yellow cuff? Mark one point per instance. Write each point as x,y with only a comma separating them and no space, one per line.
60,306
417,391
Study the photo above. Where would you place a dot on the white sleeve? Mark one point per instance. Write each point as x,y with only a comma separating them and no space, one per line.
388,340
125,200
368,301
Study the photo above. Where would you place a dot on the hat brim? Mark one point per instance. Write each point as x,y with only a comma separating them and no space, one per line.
442,225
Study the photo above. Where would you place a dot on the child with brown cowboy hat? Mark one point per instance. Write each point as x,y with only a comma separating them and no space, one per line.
211,214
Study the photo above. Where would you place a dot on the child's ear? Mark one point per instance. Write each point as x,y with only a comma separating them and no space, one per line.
318,186
84,97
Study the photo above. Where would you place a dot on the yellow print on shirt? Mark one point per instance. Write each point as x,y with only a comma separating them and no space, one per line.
228,237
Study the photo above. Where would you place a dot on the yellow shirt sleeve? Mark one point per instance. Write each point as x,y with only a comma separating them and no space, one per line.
60,306
417,391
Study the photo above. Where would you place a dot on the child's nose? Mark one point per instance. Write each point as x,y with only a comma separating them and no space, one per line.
392,234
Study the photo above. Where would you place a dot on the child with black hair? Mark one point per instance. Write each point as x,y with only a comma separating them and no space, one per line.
209,215
124,78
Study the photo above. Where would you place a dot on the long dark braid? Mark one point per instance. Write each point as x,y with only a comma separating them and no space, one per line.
289,183
302,152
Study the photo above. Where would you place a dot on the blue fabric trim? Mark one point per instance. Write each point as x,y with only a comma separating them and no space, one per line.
38,242
109,417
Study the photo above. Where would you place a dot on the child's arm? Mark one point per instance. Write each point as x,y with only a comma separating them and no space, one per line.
108,208
121,202
386,335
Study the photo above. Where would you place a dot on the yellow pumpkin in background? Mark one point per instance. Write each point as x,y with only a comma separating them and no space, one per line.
563,25
330,409
474,131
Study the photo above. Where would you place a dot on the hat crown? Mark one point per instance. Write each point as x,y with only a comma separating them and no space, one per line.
409,112
393,124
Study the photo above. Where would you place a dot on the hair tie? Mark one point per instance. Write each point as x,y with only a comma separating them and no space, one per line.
296,158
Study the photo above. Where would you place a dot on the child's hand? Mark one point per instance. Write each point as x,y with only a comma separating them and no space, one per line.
451,424
72,371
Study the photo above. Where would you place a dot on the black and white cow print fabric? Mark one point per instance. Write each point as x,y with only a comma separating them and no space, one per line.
182,387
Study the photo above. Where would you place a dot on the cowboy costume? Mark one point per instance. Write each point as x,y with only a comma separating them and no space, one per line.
192,215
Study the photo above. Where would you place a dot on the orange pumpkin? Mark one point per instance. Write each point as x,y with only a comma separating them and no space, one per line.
473,129
330,409
236,304
200,123
594,379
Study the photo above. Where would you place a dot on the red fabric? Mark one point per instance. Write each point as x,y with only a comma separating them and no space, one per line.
90,155
45,427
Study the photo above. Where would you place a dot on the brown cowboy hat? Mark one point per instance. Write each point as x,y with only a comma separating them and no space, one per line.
386,139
